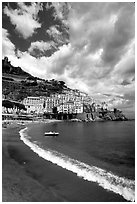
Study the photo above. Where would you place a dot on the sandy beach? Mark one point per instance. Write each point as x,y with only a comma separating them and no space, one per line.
17,184
28,178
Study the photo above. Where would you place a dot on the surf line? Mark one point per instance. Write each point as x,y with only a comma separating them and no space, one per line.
107,180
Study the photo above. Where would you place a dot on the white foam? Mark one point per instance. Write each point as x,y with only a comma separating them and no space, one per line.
120,185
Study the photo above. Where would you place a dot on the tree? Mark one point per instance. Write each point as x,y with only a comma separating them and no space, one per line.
7,104
62,83
19,106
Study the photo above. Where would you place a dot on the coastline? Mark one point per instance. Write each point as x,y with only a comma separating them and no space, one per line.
29,186
21,188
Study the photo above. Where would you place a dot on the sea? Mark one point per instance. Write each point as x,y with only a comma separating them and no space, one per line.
99,152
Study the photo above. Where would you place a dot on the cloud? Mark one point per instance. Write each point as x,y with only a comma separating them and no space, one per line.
48,5
52,31
122,34
102,40
99,55
124,71
24,18
41,46
61,11
8,48
58,37
102,26
125,82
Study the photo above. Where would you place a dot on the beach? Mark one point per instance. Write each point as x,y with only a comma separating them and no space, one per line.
26,177
17,184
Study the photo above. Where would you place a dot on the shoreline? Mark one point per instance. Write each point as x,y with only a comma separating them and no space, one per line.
19,159
21,188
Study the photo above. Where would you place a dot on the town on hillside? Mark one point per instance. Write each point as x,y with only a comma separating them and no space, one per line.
28,98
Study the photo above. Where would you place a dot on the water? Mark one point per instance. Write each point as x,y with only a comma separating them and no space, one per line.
101,152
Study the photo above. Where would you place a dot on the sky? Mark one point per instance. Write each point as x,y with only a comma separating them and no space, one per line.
89,45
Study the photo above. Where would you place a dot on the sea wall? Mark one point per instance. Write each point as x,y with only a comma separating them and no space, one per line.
84,116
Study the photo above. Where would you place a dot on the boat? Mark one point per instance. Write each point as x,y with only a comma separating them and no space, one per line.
21,123
75,120
51,134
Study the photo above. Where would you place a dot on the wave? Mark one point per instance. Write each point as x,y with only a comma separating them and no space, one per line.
120,185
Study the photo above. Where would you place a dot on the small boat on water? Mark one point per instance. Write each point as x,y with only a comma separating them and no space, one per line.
20,123
51,134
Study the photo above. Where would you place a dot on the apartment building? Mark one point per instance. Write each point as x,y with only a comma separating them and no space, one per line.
70,101
34,104
70,107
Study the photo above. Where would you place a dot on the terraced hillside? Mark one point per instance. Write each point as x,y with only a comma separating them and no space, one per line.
17,84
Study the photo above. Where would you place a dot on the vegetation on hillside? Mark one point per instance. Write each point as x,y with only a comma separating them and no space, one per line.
9,69
12,104
17,84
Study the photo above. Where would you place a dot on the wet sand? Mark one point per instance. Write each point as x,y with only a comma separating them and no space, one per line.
28,178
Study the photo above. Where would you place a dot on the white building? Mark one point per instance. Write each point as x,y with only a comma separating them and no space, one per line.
71,101
67,107
70,107
34,104
78,107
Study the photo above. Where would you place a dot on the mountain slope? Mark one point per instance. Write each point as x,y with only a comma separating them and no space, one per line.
18,84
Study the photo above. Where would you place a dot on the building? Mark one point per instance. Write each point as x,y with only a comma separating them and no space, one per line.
70,107
70,101
67,107
34,104
78,107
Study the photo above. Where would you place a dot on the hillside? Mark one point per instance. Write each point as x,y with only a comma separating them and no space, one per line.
18,84
7,68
